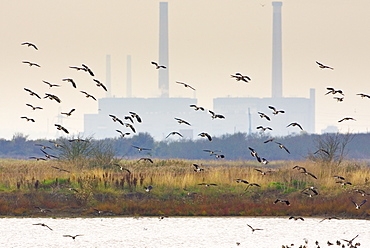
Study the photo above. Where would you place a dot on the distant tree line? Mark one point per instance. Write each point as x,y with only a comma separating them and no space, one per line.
229,146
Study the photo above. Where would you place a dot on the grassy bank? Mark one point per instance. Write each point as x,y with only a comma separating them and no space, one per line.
35,188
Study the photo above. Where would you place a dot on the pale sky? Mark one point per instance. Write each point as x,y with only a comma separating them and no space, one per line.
208,41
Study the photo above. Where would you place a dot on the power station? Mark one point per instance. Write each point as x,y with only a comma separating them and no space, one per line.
241,113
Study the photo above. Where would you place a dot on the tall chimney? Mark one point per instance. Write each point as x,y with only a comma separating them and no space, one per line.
163,79
277,78
128,79
108,82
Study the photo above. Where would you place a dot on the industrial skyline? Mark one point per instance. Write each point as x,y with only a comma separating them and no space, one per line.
218,40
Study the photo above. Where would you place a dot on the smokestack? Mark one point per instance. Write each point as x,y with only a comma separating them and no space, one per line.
277,78
108,82
128,79
163,79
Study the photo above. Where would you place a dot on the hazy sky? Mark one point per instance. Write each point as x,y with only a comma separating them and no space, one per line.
208,41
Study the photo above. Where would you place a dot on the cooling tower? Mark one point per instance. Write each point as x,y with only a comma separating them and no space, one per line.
277,77
163,79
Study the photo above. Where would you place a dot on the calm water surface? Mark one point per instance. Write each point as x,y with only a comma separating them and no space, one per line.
179,232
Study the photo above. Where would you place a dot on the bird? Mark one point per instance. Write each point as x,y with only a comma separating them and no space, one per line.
182,121
157,66
251,185
129,117
141,148
363,95
240,77
358,206
37,158
294,124
60,127
197,168
309,174
31,63
218,155
262,160
52,97
43,210
71,81
241,181
135,115
73,189
264,128
310,189
347,119
149,188
99,84
350,241
212,151
361,191
262,115
263,172
281,146
73,236
269,140
186,85
60,169
130,126
42,224
122,168
162,217
88,95
296,218
343,183
333,91
78,140
29,44
214,116
275,111
116,119
32,93
329,218
174,133
339,177
146,160
282,201
43,146
196,108
321,150
207,184
68,113
50,84
122,134
203,134
322,66
253,152
78,68
57,145
47,155
28,119
299,168
253,229
88,70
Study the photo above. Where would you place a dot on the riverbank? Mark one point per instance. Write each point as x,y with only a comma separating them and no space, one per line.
65,189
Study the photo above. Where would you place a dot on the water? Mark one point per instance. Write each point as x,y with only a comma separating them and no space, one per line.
179,232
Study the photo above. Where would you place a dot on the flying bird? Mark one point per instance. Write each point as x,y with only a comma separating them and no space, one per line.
262,115
135,115
78,68
42,224
174,133
241,181
321,150
205,135
197,168
333,91
214,116
322,66
73,236
329,218
123,168
47,155
60,127
60,169
33,108
275,111
347,119
182,121
296,218
281,146
294,124
211,152
52,97
240,77
339,99
307,191
28,119
131,127
253,152
68,113
116,119
88,95
122,134
282,201
88,70
29,44
157,66
146,160
254,229
207,184
269,140
196,108
363,95
263,172
99,84
31,63
264,128
50,84
186,85
149,188
309,174
141,148
251,185
43,146
32,93
71,81
358,206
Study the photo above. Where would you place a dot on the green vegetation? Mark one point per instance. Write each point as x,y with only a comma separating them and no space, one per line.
25,185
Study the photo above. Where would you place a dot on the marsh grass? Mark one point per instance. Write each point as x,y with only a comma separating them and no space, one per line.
25,184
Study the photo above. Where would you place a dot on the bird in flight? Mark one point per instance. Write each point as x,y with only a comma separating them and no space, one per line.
123,168
88,70
347,119
294,124
207,184
135,115
60,127
363,95
73,236
33,108
296,218
214,116
42,224
149,188
71,81
29,44
78,68
197,168
253,229
240,77
322,66
203,134
116,119
281,146
88,95
196,108
251,185
60,169
186,85
333,91
263,172
157,66
52,97
50,84
358,206
241,181
122,134
264,128
307,191
182,121
283,201
32,93
99,84
146,160
174,133
262,115
68,113
28,119
339,99
141,148
275,111
31,63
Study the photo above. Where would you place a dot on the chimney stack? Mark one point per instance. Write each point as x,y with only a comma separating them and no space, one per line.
277,77
128,78
163,79
108,82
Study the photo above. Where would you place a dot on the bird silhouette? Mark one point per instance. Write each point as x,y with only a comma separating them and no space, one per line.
263,173
31,63
281,146
28,119
60,169
282,201
264,128
296,218
52,97
322,66
207,184
186,85
262,115
122,168
136,116
60,127
70,80
339,99
88,95
197,168
32,93
203,134
275,111
146,160
42,224
295,124
196,108
157,66
358,206
214,116
174,133
88,70
131,127
347,119
241,181
253,229
240,77
141,148
99,84
78,68
73,236
116,119
182,121
251,185
68,113
50,84
47,155
29,44
122,134
363,95
333,91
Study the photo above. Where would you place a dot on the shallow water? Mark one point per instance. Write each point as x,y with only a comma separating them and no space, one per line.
180,232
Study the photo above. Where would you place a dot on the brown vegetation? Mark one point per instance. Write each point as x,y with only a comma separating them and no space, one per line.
26,185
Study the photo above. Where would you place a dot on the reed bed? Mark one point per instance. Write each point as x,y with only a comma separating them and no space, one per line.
28,186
